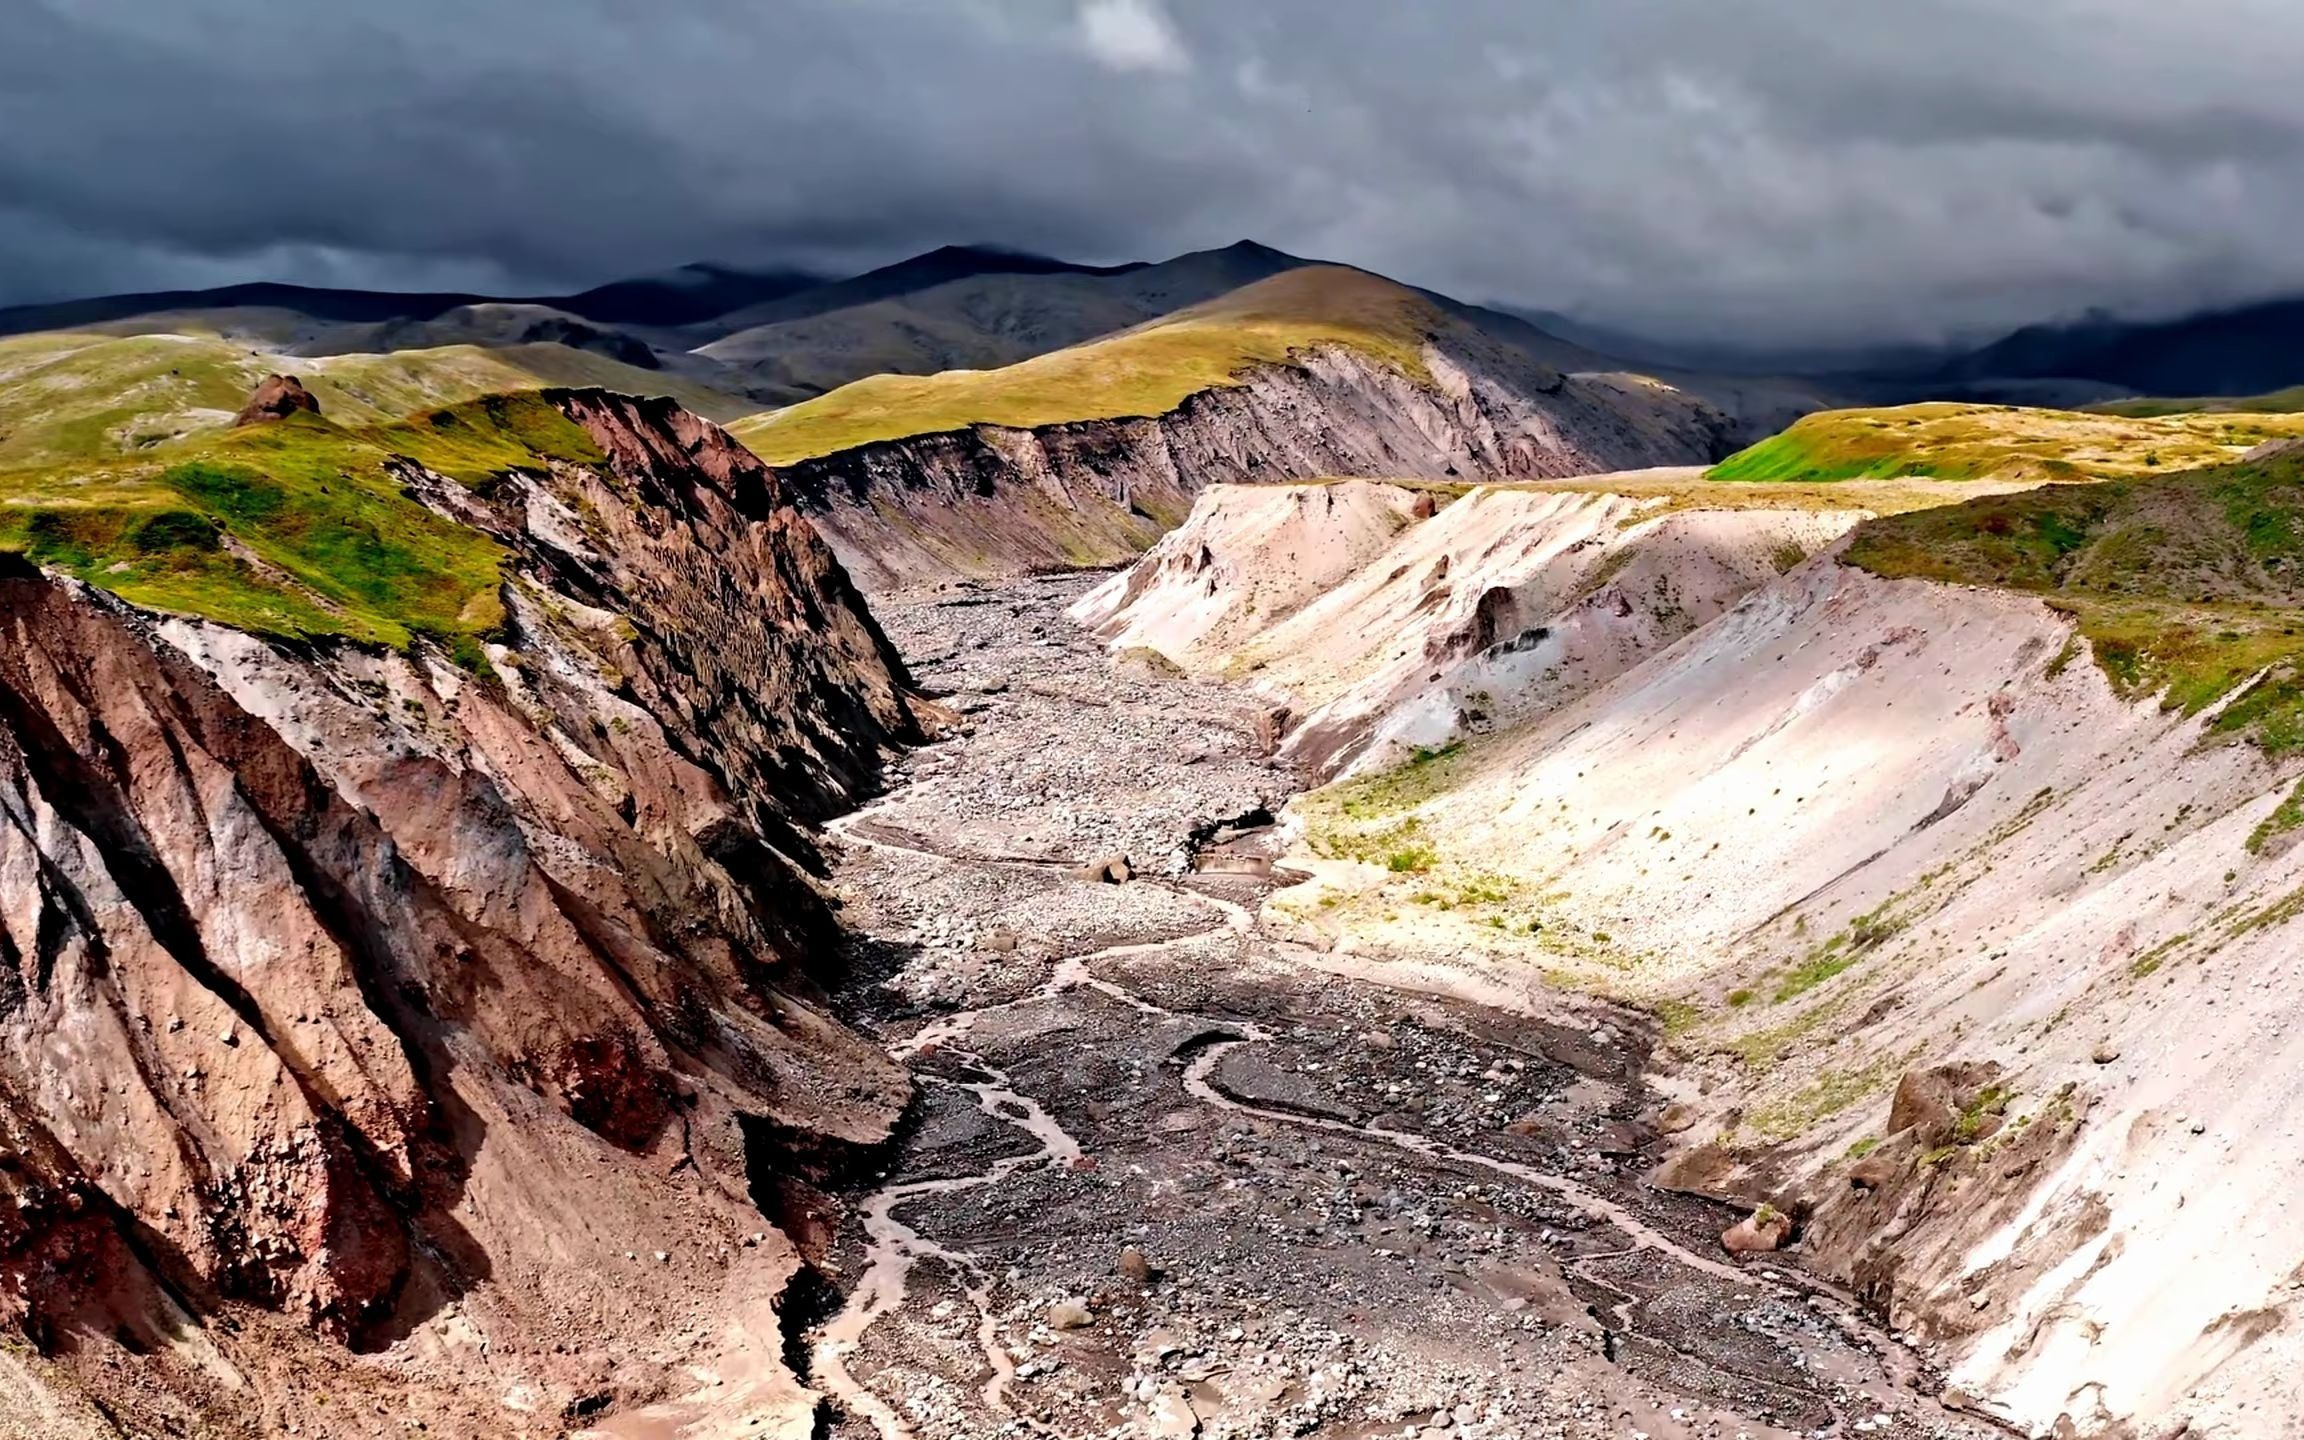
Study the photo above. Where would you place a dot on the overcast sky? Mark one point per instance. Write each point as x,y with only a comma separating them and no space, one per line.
1781,171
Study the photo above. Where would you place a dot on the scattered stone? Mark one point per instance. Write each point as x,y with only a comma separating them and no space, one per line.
1677,1117
1069,1315
2104,1054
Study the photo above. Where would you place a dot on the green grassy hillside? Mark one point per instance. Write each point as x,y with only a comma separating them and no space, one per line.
2279,402
1145,371
296,528
2190,586
75,397
1944,441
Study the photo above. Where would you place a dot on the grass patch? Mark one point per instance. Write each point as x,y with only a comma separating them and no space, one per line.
1358,819
300,528
1865,933
71,398
2285,817
2188,586
2151,960
2279,912
1411,860
1990,1102
1678,1018
1821,1099
1761,1050
1947,441
1148,370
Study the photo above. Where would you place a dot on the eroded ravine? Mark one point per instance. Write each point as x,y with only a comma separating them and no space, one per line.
1007,1231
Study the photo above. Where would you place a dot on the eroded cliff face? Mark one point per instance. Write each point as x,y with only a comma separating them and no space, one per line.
1389,620
990,500
374,1028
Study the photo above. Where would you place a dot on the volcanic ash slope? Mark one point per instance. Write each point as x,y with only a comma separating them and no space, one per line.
1394,616
1980,969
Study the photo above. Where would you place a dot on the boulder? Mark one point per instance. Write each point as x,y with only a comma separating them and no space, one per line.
1069,1315
1677,1117
1871,1172
1924,1106
1134,1268
1111,870
276,398
1763,1231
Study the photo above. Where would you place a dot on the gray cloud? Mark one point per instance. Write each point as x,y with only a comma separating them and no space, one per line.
1783,171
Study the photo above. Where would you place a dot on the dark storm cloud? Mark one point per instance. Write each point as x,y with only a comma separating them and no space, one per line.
1778,170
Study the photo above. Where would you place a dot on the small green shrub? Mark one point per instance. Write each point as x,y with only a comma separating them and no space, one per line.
2285,817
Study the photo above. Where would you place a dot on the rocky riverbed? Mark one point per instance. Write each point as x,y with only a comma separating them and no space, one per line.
1170,1175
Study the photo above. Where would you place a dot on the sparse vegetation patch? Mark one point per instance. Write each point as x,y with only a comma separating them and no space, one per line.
2187,586
297,528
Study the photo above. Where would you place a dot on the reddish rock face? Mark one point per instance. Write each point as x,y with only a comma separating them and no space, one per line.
276,398
350,997
1762,1232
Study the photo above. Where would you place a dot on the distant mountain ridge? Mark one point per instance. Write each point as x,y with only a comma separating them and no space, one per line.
2245,350
684,296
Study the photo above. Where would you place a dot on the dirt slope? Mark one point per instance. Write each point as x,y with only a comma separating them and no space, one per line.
1979,969
1905,833
1390,619
385,1040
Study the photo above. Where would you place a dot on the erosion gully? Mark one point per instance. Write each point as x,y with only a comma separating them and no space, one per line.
1171,1173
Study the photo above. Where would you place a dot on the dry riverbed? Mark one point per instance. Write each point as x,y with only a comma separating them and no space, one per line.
1170,1176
